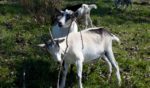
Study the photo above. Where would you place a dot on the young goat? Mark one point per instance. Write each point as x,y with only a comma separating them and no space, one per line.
83,11
97,43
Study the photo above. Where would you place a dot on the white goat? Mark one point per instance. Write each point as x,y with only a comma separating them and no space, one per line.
66,21
83,11
66,24
97,43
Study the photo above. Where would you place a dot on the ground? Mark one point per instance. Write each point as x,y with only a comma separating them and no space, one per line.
20,34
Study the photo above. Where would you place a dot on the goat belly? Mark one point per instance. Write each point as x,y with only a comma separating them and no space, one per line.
92,51
90,56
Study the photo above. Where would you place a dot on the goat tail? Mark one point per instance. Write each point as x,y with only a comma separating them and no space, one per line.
116,38
91,6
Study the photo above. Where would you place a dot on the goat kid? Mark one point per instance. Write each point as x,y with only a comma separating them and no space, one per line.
97,43
83,11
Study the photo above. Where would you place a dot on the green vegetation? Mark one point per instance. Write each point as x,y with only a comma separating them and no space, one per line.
20,33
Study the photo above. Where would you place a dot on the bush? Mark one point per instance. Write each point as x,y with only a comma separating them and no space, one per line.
42,9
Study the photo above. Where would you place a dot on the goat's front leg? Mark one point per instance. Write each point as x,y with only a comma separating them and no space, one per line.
109,54
86,21
79,65
65,70
90,21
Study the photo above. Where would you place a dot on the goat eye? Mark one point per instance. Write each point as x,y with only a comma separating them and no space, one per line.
49,45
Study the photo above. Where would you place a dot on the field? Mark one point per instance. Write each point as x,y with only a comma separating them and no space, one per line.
19,54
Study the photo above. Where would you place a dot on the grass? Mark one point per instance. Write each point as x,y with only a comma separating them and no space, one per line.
18,51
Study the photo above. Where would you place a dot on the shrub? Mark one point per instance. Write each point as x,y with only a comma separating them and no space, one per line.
42,9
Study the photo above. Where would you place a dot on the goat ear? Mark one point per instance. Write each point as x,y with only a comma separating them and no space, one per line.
61,40
41,45
62,11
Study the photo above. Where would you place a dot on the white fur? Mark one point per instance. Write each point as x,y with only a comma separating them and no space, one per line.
71,24
84,13
95,46
67,27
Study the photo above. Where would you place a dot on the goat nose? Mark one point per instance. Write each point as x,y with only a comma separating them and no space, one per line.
59,24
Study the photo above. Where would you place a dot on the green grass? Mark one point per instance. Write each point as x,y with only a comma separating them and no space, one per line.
18,50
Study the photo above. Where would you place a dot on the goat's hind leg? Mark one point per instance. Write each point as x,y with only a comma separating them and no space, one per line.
110,67
109,54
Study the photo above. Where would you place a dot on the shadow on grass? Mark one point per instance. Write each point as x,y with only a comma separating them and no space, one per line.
39,73
12,9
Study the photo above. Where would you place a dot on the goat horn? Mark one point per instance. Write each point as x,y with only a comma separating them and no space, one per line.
51,37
